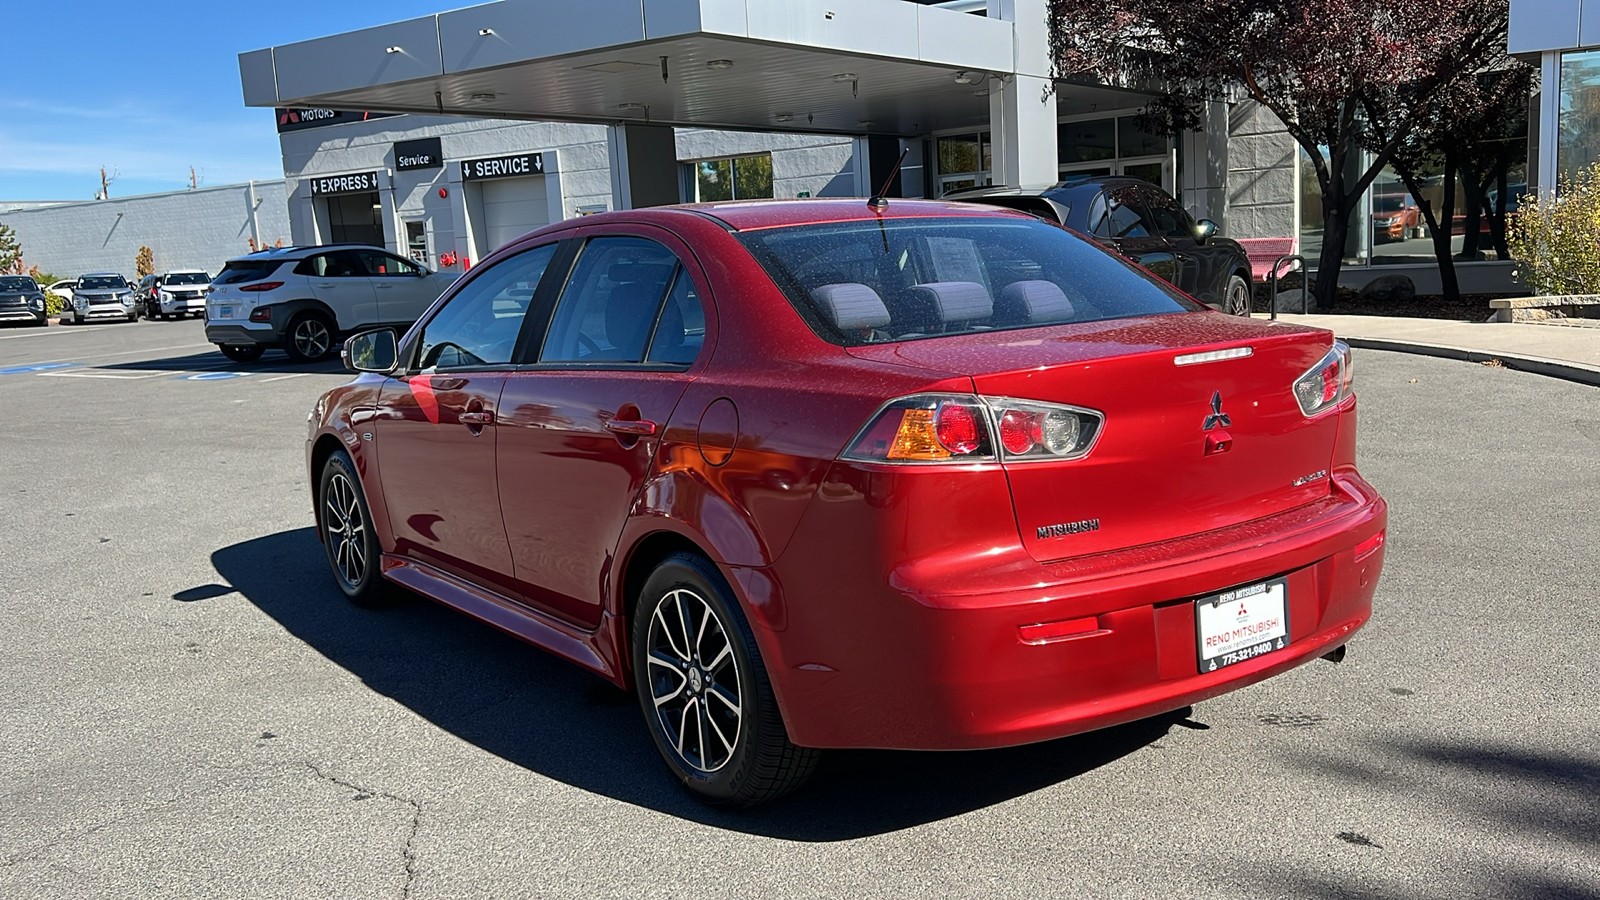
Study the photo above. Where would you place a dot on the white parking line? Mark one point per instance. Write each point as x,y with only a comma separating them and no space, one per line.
284,377
89,373
103,356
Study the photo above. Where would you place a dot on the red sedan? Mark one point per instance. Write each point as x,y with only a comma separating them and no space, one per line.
814,474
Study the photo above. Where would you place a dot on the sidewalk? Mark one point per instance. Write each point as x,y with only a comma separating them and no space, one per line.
1559,351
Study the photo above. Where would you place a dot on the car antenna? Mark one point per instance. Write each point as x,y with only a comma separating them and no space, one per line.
878,201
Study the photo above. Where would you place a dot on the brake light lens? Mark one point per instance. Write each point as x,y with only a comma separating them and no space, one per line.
1328,383
935,428
262,286
261,314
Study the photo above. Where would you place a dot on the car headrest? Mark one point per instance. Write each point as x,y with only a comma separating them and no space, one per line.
1034,301
955,301
851,306
653,272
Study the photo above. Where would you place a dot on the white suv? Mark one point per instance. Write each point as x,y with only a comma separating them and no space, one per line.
303,298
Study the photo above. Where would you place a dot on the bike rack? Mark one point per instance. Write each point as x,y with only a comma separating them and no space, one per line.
1296,261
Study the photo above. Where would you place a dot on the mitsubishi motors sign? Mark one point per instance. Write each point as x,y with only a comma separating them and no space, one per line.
298,119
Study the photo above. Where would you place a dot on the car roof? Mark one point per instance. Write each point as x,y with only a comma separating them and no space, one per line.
750,215
100,275
184,272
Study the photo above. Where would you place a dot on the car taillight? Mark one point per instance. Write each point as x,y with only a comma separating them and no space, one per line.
263,286
261,314
1328,383
935,428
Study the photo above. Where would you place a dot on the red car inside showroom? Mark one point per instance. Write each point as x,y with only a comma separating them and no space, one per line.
840,474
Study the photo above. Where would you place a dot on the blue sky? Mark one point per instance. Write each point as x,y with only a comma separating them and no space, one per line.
149,89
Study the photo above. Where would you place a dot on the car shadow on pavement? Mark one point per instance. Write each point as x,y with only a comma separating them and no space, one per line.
275,362
552,718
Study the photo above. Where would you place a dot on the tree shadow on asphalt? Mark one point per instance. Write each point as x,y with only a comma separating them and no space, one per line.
550,717
274,362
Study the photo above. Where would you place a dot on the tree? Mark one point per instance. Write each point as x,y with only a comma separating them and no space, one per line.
144,262
1321,66
10,252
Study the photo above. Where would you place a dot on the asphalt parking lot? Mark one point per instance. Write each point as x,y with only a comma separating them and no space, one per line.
190,709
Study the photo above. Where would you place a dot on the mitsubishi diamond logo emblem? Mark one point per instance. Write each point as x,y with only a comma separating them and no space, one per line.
1218,418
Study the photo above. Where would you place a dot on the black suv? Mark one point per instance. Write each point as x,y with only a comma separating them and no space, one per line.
1144,224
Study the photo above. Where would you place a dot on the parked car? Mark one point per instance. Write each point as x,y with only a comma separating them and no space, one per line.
101,296
178,293
820,474
303,298
1144,224
22,300
63,289
1396,217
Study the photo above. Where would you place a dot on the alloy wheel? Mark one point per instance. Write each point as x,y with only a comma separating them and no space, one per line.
345,529
693,677
311,338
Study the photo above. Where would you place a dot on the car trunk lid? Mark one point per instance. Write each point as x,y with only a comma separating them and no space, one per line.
1184,449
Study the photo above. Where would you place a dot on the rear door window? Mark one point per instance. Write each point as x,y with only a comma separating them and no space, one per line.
609,308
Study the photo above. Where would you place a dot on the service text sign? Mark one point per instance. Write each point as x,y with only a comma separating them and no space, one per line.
516,166
424,153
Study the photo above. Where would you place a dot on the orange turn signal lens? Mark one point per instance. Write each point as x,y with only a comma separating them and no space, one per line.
917,437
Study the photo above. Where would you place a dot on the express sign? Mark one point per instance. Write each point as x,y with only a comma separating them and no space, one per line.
502,167
359,182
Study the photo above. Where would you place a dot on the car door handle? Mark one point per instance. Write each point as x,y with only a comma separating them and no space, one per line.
476,419
631,427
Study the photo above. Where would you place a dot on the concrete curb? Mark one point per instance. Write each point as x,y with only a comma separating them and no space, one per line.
1550,368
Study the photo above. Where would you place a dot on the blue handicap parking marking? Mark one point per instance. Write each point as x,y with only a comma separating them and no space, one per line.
37,367
213,376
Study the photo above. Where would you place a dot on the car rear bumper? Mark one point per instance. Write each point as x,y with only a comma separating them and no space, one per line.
242,335
912,661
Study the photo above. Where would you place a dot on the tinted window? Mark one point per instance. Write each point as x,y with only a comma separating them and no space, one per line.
1113,214
383,264
102,283
241,271
1166,217
187,278
866,282
609,307
682,329
479,325
18,283
335,264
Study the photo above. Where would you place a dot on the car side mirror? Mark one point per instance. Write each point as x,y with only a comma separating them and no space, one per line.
372,351
1205,230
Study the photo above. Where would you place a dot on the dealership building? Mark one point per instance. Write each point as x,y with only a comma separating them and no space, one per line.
445,136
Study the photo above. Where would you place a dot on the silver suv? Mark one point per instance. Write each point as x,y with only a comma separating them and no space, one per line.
180,292
99,297
303,298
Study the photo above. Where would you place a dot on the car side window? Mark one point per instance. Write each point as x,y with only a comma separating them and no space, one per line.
337,264
609,307
682,330
1166,217
479,325
383,265
1112,215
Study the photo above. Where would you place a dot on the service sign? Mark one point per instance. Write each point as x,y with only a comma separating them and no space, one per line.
354,183
515,166
419,154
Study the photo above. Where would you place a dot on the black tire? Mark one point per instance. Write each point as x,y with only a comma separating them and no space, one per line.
348,540
730,693
242,353
1236,300
309,337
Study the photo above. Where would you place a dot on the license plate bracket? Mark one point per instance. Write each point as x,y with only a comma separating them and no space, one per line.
1241,624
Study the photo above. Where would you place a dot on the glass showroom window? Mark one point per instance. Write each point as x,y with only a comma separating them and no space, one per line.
1578,137
1113,145
965,161
730,178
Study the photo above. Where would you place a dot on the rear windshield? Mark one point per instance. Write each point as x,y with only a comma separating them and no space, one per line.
872,282
187,278
16,283
241,270
103,283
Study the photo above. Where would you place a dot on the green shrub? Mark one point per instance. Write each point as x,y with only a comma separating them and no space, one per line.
1556,242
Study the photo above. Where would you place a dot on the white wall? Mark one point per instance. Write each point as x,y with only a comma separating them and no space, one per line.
199,229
